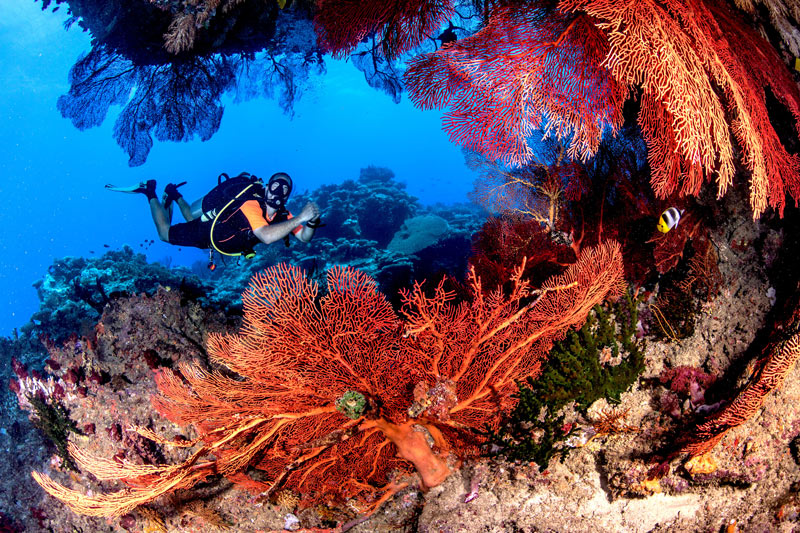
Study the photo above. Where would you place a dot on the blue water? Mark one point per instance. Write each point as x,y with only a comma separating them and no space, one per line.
52,175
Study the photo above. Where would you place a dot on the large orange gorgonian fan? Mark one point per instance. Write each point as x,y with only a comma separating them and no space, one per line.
338,395
526,69
400,25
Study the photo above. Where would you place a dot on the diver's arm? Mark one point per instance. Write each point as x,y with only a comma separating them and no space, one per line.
275,232
306,234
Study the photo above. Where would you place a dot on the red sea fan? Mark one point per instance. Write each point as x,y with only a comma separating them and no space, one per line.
400,24
501,245
702,73
526,69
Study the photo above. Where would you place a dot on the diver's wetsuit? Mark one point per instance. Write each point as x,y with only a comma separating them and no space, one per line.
233,233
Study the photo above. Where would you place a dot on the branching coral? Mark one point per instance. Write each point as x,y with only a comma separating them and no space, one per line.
535,191
429,380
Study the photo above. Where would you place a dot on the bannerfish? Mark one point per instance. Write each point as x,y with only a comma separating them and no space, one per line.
669,219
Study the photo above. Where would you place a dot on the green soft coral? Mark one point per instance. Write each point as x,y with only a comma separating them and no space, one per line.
54,422
574,372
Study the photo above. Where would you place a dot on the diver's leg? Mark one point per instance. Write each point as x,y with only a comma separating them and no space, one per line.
160,218
186,209
171,195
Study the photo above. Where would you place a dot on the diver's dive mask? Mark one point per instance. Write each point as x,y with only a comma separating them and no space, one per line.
279,188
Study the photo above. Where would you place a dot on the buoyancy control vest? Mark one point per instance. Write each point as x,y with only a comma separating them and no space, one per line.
230,231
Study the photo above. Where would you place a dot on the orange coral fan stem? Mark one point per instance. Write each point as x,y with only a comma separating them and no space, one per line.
520,289
412,445
512,350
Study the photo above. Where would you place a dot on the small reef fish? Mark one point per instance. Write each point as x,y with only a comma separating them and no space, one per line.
669,219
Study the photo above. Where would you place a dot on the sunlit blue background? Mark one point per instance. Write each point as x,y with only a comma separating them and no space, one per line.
52,175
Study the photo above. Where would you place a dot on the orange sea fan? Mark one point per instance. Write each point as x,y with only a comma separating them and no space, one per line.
779,359
414,389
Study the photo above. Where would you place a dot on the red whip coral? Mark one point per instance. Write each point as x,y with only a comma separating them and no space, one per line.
337,393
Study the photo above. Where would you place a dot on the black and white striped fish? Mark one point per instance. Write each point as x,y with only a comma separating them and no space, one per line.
669,219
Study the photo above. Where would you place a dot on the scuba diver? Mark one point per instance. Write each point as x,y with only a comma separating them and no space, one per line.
233,217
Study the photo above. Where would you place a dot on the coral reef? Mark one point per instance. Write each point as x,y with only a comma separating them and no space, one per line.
418,233
362,217
551,208
327,405
75,290
608,470
103,382
503,79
